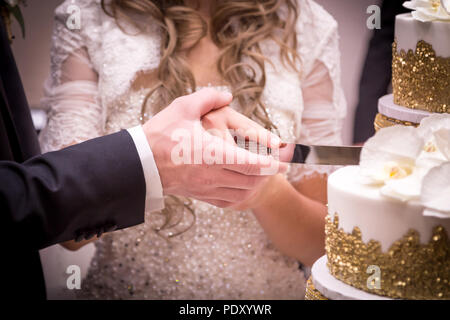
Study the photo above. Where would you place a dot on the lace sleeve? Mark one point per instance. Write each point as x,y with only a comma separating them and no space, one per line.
71,93
324,104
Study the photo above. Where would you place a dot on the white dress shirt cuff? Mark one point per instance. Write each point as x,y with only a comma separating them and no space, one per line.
154,200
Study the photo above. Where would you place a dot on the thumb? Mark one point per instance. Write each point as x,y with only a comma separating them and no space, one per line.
206,100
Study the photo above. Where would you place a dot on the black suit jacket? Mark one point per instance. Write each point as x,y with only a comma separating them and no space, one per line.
81,191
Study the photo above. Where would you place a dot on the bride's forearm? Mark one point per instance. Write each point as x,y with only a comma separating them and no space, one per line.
293,222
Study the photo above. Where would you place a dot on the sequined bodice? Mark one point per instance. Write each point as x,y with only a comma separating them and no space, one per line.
225,255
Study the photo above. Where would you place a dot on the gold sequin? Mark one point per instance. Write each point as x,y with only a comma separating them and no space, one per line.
312,293
409,269
420,79
382,121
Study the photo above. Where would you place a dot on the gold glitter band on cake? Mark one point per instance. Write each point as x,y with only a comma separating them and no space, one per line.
312,293
409,269
381,121
420,79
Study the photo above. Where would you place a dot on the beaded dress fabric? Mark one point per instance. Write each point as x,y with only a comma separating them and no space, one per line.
224,254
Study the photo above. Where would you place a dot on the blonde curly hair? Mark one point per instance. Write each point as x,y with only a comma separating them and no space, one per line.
237,27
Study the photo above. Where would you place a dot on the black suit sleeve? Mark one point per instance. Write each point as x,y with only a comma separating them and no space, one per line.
78,192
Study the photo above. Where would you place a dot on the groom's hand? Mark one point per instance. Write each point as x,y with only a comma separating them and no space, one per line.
204,165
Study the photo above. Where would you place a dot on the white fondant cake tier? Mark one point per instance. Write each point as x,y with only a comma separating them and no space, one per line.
387,107
334,289
378,217
409,31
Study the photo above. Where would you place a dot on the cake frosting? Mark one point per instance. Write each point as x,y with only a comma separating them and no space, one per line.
409,31
378,217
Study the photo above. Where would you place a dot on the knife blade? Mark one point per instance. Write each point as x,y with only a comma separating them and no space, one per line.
319,155
308,154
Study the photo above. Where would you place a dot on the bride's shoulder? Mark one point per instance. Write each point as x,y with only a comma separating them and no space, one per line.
317,34
95,21
85,11
77,24
313,20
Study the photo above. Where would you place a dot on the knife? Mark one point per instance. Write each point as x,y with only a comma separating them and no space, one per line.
309,154
319,155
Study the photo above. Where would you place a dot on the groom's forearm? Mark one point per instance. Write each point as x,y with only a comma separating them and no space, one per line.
77,192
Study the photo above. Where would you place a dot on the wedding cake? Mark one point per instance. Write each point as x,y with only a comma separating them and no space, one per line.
420,65
388,224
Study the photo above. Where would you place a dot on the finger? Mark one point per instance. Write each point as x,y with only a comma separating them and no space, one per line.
246,128
248,163
231,179
206,100
218,203
229,138
217,127
284,154
220,132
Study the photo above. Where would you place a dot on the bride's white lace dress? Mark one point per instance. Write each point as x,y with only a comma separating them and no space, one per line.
226,254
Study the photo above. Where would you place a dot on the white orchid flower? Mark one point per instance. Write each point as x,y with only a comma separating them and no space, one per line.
442,140
433,123
446,5
391,154
429,10
389,159
410,163
435,192
435,130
